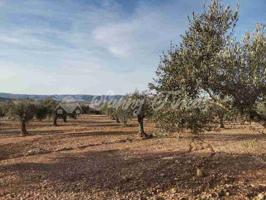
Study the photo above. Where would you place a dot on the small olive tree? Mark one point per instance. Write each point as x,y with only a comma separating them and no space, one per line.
24,112
139,104
50,106
41,112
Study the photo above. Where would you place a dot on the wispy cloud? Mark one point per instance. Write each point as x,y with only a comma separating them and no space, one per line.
87,46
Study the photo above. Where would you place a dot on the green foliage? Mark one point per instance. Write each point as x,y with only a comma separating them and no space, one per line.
109,110
140,104
192,68
209,63
190,115
41,112
117,111
261,107
123,112
244,70
49,105
24,111
4,109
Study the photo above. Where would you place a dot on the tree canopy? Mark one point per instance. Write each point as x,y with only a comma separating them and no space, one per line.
210,67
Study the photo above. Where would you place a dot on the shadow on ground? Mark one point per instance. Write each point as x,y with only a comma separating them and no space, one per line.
114,172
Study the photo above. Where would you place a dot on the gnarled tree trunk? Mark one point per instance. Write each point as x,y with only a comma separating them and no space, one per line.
55,120
221,119
117,119
141,127
65,118
24,131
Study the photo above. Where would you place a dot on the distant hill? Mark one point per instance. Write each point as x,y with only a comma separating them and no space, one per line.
67,98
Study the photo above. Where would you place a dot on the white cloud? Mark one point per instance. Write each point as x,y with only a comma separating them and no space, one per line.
147,29
97,50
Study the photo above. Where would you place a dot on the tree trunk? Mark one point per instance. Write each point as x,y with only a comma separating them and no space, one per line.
141,127
221,117
65,118
23,129
124,121
117,120
55,120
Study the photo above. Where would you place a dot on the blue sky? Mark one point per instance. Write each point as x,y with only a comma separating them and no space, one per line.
94,46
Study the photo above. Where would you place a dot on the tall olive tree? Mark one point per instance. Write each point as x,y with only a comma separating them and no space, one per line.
24,112
193,69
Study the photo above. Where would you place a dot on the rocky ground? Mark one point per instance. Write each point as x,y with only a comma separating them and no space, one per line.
96,158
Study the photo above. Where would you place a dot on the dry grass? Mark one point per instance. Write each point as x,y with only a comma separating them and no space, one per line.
95,158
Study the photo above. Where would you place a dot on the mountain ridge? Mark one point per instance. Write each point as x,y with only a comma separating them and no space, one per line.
59,97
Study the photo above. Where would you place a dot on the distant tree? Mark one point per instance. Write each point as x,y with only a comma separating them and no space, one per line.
140,104
85,108
2,111
111,111
24,112
123,109
41,112
50,105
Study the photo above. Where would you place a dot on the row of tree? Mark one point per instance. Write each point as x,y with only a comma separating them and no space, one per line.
209,76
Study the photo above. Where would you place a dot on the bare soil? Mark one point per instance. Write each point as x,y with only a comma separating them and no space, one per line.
93,157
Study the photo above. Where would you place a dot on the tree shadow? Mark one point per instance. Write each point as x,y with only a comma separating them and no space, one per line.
112,171
100,133
233,137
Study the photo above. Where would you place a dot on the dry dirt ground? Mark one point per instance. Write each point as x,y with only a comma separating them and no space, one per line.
95,158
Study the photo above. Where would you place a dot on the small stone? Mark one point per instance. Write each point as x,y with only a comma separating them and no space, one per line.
168,158
199,172
261,197
173,190
35,151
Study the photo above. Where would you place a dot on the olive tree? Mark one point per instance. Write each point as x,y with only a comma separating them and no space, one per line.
41,112
123,113
24,112
118,111
243,66
193,69
50,106
139,105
